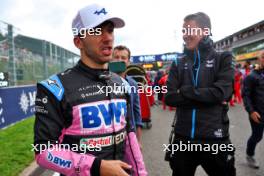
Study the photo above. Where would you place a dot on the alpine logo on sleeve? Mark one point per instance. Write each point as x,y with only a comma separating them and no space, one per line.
54,85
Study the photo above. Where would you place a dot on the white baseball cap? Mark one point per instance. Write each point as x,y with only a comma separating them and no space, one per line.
92,16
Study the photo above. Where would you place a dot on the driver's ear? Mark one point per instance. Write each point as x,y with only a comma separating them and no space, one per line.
77,42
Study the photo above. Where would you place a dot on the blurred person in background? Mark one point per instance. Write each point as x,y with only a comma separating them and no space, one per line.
122,53
253,96
156,84
237,98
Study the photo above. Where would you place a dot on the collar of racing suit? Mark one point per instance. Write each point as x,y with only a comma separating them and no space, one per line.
92,73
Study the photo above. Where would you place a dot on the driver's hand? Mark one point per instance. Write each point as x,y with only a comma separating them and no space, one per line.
114,168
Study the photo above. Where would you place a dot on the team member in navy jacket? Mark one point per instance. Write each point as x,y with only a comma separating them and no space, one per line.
253,96
200,85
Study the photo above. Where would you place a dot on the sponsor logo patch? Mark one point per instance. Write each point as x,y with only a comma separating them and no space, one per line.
104,141
102,114
59,161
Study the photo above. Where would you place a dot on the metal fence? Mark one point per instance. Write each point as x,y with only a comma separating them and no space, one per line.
28,60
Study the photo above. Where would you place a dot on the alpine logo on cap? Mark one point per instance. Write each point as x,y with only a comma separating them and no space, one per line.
101,11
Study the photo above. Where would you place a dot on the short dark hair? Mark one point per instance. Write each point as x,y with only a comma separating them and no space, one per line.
122,47
202,19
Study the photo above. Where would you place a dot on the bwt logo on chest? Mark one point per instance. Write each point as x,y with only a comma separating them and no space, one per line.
103,113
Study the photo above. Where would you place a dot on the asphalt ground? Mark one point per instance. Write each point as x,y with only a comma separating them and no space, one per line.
154,138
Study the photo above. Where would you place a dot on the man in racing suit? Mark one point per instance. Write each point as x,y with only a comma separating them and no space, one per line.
200,85
81,126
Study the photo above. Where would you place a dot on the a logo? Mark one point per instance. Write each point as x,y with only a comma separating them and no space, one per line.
41,109
169,57
53,82
141,58
101,11
104,141
219,133
42,100
27,101
185,66
209,63
95,116
24,102
45,100
59,161
150,58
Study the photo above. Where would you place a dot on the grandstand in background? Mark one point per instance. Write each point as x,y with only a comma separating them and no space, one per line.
245,44
28,60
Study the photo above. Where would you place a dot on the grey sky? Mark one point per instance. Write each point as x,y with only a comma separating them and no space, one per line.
152,26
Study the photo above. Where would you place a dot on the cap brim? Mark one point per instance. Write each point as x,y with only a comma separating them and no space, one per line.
118,22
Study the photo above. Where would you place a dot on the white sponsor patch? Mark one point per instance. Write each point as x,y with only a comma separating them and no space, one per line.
219,133
209,63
